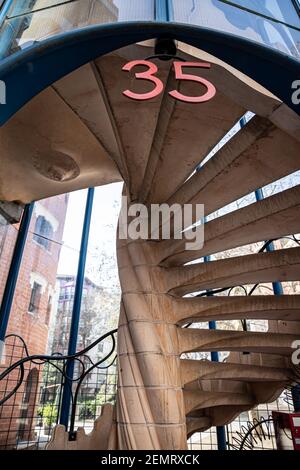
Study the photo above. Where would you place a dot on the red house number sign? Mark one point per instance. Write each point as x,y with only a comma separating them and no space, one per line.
180,74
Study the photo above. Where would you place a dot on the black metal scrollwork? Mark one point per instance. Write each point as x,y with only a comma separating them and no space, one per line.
86,364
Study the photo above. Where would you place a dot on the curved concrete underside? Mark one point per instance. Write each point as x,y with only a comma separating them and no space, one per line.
82,132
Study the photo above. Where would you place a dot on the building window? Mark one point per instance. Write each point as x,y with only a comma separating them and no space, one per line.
43,232
35,298
67,292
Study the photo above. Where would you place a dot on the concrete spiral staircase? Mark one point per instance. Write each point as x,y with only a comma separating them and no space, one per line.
82,132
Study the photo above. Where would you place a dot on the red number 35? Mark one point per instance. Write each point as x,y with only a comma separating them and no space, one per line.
159,86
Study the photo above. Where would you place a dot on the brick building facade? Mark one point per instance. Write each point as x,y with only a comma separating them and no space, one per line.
31,309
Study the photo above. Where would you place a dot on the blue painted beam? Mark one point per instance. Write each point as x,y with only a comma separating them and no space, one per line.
6,34
67,391
277,286
14,269
259,196
170,10
5,10
164,10
161,10
221,433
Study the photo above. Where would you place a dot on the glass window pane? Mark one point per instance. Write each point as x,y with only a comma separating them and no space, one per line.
46,256
122,10
50,17
25,7
101,302
282,10
63,299
220,15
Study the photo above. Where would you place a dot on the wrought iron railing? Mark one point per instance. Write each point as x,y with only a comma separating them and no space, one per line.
31,388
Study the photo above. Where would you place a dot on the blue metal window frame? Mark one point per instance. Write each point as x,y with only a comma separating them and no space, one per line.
14,270
212,325
164,10
5,7
233,4
75,319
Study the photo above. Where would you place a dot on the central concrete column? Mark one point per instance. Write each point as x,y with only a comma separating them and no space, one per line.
150,406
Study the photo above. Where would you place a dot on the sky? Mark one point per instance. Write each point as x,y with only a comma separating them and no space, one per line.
103,226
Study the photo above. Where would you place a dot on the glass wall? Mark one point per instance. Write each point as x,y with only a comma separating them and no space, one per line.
42,310
35,294
275,23
102,293
272,22
100,305
29,21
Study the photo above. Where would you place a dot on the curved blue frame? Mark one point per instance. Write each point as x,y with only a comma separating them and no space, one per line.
28,72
